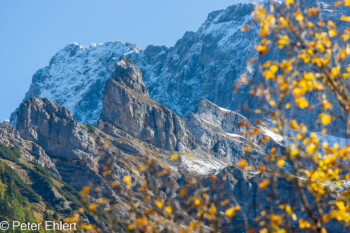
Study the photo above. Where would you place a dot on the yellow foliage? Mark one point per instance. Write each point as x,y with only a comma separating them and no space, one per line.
280,163
174,157
301,102
159,203
212,209
293,124
71,219
245,28
325,119
242,163
230,212
345,18
85,190
299,16
304,224
168,210
264,183
127,180
92,207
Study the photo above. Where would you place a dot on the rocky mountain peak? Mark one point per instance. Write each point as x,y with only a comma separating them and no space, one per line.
126,73
127,106
53,127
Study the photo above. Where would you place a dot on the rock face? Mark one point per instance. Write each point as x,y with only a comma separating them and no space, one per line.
225,119
127,74
223,131
53,127
65,140
127,105
29,150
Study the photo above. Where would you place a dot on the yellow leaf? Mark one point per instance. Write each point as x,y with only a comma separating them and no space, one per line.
261,49
268,74
293,125
230,212
313,11
87,226
168,210
274,68
304,224
301,102
197,202
223,203
338,3
272,103
335,71
142,168
282,41
332,32
299,16
288,2
127,179
242,163
288,209
174,157
141,221
85,190
311,148
264,183
245,28
325,119
326,105
212,209
71,219
345,18
347,2
280,163
92,207
159,204
310,25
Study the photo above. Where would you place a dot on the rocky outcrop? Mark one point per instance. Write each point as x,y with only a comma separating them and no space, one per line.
29,150
53,127
223,131
66,141
226,120
128,75
127,105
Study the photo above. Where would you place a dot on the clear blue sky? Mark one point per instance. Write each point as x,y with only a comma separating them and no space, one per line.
33,31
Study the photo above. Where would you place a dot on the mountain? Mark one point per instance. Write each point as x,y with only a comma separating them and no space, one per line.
100,113
205,64
132,128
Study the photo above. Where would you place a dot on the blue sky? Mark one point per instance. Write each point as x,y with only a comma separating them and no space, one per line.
33,31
